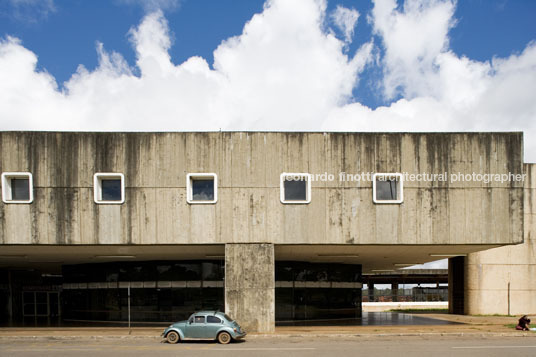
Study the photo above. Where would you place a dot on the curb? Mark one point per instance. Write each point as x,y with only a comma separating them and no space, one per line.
407,334
74,337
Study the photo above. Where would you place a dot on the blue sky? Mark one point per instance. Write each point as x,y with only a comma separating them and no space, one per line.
308,65
65,36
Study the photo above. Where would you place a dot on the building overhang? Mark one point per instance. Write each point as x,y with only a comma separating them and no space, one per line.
373,258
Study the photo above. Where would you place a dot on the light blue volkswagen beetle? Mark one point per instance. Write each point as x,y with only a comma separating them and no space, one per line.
205,325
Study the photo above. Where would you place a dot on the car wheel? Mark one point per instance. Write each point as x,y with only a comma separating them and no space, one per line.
173,337
224,338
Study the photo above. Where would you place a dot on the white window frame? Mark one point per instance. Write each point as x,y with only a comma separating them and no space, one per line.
400,188
6,186
201,176
97,187
307,189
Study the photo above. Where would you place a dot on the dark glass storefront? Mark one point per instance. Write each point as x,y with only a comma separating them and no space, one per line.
164,291
29,297
309,291
160,291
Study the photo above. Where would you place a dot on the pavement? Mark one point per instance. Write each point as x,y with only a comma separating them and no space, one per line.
447,325
350,346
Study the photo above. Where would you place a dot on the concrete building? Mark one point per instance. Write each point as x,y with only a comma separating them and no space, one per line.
503,280
269,226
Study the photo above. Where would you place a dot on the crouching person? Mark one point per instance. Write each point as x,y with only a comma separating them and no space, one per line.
523,324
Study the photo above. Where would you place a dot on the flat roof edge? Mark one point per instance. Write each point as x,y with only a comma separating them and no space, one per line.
262,132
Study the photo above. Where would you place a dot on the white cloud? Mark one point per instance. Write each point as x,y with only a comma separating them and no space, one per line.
151,41
412,38
153,5
284,72
30,10
346,20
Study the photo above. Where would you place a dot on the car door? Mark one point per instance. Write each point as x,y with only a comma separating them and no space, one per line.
196,327
214,323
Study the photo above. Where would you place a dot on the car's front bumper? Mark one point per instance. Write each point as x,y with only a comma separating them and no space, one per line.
163,334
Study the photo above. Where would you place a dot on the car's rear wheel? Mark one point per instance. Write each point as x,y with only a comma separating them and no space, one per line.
224,338
173,337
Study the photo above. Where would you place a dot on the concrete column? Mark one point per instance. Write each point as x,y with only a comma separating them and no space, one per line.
456,285
250,285
370,292
394,292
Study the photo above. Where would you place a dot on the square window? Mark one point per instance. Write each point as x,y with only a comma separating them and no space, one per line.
295,188
202,188
387,188
109,188
17,187
20,189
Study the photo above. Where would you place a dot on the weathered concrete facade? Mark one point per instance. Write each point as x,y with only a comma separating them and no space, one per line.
248,210
503,280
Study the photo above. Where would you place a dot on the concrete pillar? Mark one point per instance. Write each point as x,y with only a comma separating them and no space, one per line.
456,285
370,292
250,285
394,292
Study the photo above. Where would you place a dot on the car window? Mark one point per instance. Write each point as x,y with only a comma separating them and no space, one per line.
213,320
199,319
228,318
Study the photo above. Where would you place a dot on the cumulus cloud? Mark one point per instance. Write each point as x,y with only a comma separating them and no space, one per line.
284,72
412,39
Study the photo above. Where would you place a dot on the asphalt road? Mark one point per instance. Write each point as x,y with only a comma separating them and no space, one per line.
340,347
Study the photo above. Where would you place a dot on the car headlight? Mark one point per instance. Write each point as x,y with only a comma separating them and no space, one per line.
235,330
